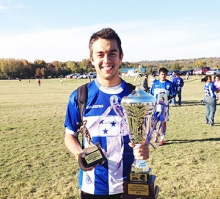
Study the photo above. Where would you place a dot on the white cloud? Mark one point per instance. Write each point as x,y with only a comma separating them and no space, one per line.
2,7
5,4
140,41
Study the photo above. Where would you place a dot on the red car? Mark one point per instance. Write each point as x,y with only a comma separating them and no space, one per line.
201,70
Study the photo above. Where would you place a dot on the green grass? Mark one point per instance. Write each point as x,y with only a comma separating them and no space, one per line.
34,162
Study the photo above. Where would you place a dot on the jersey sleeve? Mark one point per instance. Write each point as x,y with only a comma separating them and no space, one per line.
214,88
72,114
152,89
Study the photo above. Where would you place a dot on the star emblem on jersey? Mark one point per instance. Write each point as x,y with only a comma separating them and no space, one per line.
105,131
113,123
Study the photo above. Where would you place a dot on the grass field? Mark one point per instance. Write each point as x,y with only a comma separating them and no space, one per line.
34,162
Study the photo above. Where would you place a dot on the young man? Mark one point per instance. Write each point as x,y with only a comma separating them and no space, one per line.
178,84
103,180
163,89
145,83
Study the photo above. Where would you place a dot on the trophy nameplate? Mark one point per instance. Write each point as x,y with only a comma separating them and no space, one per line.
94,155
140,176
141,190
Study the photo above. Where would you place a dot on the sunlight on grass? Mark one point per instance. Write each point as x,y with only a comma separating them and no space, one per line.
35,163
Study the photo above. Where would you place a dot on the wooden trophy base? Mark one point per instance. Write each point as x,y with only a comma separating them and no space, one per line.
141,190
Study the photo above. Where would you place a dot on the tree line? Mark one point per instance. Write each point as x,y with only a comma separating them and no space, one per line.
21,68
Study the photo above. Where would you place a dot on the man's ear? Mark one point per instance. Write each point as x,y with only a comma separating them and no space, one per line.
121,56
91,59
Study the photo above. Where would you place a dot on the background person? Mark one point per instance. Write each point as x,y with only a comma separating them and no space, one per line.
152,79
178,84
209,99
217,84
104,180
163,89
172,76
187,76
145,83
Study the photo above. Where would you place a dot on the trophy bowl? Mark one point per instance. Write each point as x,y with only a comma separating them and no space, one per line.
138,108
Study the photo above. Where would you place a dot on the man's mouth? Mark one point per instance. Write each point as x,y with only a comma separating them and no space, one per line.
107,68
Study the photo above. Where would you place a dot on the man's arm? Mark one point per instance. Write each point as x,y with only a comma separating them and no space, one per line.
73,145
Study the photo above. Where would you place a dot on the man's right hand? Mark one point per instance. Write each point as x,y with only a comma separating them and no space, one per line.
79,158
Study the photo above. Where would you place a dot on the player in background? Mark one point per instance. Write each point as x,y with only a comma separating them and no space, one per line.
210,99
178,84
163,89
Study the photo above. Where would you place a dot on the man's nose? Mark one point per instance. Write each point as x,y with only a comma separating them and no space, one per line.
106,58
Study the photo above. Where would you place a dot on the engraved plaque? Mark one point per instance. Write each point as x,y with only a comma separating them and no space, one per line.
94,155
138,189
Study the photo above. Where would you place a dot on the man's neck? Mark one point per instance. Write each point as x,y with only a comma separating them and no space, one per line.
109,83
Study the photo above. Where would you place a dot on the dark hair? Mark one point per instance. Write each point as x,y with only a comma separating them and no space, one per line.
163,70
105,33
206,78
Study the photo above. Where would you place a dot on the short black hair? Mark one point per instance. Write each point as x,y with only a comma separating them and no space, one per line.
206,78
105,33
163,70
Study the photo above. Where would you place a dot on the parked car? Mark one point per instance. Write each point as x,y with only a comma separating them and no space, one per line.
190,71
183,72
91,75
201,70
211,72
171,72
85,76
70,76
77,75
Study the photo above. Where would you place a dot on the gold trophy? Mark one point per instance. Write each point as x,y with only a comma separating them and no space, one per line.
94,153
138,109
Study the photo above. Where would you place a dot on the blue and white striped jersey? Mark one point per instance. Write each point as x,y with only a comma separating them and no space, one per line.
107,129
160,87
210,89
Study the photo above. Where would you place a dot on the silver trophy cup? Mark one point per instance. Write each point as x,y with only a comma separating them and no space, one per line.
138,109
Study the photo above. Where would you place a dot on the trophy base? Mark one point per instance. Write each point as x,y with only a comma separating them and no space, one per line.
141,190
94,155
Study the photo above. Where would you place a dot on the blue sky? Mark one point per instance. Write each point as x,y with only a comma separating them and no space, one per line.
59,30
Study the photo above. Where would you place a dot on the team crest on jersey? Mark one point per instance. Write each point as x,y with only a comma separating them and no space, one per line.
88,180
168,86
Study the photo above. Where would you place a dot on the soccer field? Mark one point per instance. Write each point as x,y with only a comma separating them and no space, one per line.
35,163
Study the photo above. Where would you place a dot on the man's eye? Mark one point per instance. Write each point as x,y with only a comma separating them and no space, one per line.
113,54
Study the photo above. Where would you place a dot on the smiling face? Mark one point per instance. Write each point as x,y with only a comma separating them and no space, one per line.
106,60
